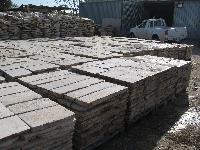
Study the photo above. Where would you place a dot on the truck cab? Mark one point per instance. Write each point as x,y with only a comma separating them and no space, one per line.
156,29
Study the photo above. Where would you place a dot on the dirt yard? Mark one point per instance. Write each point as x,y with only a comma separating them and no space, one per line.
172,127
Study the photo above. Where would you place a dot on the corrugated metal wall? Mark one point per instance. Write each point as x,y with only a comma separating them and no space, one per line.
99,10
189,16
132,14
96,11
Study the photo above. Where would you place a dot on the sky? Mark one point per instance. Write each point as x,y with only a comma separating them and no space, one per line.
36,2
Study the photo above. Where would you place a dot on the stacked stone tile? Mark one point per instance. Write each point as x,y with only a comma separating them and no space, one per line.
76,26
2,79
95,47
63,60
4,29
12,48
28,121
100,106
7,52
183,69
107,47
150,84
18,67
96,53
135,47
19,25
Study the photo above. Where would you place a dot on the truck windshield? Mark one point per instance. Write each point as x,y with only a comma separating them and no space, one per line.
158,23
143,24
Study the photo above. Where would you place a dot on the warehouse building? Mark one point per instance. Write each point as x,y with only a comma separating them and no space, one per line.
124,14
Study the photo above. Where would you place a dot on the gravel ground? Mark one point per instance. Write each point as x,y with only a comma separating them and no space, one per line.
175,126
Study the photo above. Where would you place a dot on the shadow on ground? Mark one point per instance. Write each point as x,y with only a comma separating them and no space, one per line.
145,134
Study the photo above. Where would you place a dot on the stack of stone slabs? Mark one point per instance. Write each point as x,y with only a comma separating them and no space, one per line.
183,69
95,47
9,52
63,60
28,121
2,79
149,47
104,47
100,106
150,84
18,67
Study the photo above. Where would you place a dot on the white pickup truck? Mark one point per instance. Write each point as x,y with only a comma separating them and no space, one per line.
156,29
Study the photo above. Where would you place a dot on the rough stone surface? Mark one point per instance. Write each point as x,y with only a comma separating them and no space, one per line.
8,89
19,97
32,105
2,79
70,51
45,116
151,80
28,121
5,112
18,67
12,125
100,106
23,25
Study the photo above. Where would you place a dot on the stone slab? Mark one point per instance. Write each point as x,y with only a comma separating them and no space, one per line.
11,126
19,97
2,79
9,90
31,105
45,116
5,112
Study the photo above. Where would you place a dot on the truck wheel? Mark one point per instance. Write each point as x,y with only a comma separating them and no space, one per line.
132,35
155,37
